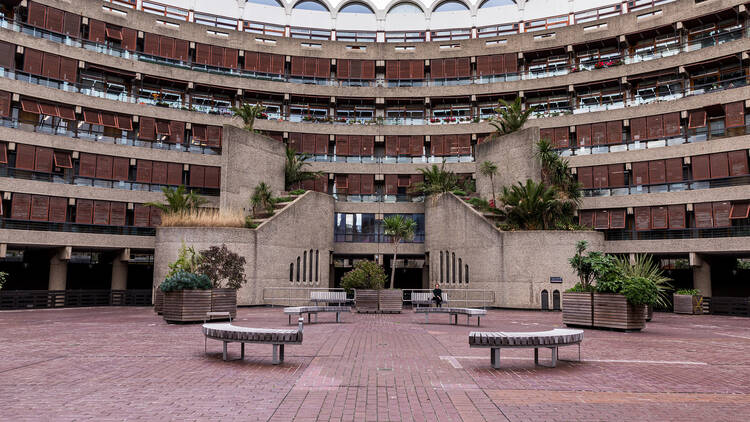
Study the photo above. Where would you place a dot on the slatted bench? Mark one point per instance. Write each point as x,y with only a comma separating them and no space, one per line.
421,298
314,310
228,333
327,297
551,339
452,312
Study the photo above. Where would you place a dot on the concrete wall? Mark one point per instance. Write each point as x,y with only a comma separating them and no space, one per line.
246,160
514,156
305,224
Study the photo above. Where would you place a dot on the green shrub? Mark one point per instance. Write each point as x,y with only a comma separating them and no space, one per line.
187,261
283,199
298,192
365,275
459,192
183,280
578,288
639,290
224,268
689,292
250,224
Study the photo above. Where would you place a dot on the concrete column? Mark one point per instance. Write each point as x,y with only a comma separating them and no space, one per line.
58,269
702,276
119,274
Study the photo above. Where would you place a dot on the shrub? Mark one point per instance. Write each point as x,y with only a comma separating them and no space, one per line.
365,275
283,199
459,192
689,292
183,280
250,224
639,290
187,261
298,192
223,267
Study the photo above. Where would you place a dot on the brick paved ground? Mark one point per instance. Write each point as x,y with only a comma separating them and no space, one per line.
126,363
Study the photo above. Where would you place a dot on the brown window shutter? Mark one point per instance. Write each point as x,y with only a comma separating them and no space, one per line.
354,184
310,67
674,170
601,219
616,175
511,62
166,47
655,129
614,132
391,184
181,50
213,177
298,66
51,66
449,68
586,177
68,70
72,25
66,113
324,68
721,214
600,177
308,143
640,173
734,114
404,69
147,128
84,211
342,145
141,215
586,218
44,160
676,216
117,214
121,168
130,38
367,184
638,131
437,68
62,160
92,117
659,217
415,146
417,69
739,210
391,69
197,176
355,69
342,183
124,122
700,167
415,178
174,174
39,208
7,55
101,212
87,165
202,53
108,119
498,64
213,136
403,145
200,134
321,184
719,165
617,219
48,109
439,145
598,133
342,68
21,206
671,124
308,184
37,14
391,145
264,62
97,31
704,218
484,65
154,217
32,61
3,154
5,100
114,33
464,144
355,145
368,145
583,135
58,209
159,173
104,167
176,132
231,59
657,172
162,127
561,137
25,156
251,61
277,64
738,163
547,134
368,69
321,144
55,19
217,56
463,67
697,119
143,171
642,218
295,141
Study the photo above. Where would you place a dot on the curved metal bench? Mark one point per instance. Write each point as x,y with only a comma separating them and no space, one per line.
551,339
452,312
314,310
228,333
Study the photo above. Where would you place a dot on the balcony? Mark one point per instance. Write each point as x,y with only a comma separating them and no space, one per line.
11,224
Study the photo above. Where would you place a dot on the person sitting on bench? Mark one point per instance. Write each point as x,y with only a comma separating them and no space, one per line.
437,296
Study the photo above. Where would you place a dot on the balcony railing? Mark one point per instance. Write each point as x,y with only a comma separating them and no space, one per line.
373,238
668,234
377,198
668,187
30,299
12,224
370,159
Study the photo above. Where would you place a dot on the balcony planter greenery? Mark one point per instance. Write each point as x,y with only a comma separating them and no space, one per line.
688,301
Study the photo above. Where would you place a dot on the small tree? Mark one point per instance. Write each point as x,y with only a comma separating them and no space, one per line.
398,228
187,261
436,180
365,275
262,199
511,117
224,267
489,169
294,168
178,200
248,113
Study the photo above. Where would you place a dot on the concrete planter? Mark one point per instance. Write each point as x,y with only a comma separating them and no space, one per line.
224,300
688,304
391,300
602,310
379,301
186,305
158,301
366,301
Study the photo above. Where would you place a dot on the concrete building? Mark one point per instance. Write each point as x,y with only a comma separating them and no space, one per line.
102,103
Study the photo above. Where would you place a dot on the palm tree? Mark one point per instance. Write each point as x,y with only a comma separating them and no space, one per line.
532,206
489,169
178,200
294,168
398,228
511,117
262,199
248,112
436,180
556,171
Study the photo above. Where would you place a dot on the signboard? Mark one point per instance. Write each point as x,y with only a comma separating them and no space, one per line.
555,279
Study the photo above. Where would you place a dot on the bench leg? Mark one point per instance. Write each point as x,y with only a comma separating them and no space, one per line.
308,317
477,321
554,357
495,358
242,351
536,356
338,318
275,359
225,351
426,317
290,319
281,353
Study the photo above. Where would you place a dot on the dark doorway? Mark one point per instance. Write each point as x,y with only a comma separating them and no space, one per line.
29,271
140,276
545,300
408,270
556,300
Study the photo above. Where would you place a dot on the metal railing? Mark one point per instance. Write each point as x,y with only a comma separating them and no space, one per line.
293,296
7,223
30,299
464,298
668,187
373,238
298,296
669,234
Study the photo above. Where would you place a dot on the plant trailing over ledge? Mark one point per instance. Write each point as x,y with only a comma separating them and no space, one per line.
398,228
688,292
223,267
248,113
365,275
178,200
297,192
183,280
437,180
511,117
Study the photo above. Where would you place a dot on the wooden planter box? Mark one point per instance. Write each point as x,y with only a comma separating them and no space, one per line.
158,301
688,304
186,305
577,309
614,311
391,300
649,312
224,300
366,300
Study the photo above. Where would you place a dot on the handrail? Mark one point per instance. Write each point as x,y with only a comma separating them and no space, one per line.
670,234
294,295
680,186
461,296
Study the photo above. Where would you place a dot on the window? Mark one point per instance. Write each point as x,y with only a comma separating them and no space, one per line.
496,3
310,277
297,269
273,3
406,8
451,6
441,267
460,271
291,272
356,8
304,266
497,30
310,5
317,259
466,273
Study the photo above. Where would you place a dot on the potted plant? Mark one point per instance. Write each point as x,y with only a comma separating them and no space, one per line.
366,280
688,301
187,297
226,270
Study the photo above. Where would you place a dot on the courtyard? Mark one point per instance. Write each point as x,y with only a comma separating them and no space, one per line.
121,363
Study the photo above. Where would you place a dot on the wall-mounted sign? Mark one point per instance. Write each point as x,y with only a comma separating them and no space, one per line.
555,279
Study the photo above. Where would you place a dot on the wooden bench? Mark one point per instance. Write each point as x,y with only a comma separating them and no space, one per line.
210,316
228,333
452,312
327,297
422,298
314,310
551,339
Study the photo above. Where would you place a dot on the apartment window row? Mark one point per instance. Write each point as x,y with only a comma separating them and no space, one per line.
367,228
395,145
706,215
